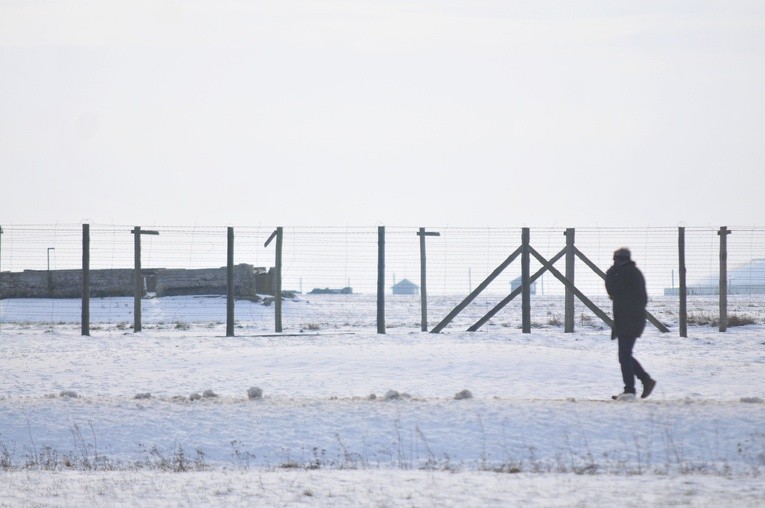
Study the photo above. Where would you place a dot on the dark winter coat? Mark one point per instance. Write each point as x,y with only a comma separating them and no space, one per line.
626,287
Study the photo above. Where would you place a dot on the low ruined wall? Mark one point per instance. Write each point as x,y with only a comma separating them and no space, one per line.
248,282
65,283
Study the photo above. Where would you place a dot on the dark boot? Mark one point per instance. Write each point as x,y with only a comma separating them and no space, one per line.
648,385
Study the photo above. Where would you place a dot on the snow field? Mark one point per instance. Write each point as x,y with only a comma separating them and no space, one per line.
540,427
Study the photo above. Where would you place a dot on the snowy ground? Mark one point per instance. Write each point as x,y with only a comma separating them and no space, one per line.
540,428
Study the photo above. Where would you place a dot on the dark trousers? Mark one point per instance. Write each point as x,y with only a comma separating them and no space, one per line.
630,367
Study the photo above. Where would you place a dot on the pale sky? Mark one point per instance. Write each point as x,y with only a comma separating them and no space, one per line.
401,113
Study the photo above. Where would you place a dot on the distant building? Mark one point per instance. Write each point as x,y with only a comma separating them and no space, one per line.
747,279
516,283
406,287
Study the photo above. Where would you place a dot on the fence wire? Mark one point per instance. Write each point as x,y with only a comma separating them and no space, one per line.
333,258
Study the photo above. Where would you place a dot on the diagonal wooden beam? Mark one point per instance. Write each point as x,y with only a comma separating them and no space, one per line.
650,317
589,263
464,303
513,294
594,308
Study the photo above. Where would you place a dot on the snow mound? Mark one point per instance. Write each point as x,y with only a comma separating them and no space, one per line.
394,395
464,394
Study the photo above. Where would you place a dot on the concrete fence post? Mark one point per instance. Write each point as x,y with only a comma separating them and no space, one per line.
381,279
683,291
525,275
423,279
569,319
230,297
723,278
85,319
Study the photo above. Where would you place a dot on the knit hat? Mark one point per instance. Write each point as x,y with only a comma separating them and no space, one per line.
623,253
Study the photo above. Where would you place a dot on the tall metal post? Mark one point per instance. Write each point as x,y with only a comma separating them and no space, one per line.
525,275
85,320
683,291
381,279
569,297
723,278
230,284
423,274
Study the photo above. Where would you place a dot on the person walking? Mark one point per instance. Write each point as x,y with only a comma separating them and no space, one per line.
625,285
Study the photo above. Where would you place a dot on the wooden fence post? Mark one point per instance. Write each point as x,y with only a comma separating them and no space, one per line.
138,279
683,291
525,274
568,326
381,279
423,273
1,267
278,234
278,281
723,278
138,288
50,275
85,320
230,301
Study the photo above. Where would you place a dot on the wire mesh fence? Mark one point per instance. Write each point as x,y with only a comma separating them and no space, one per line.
330,274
